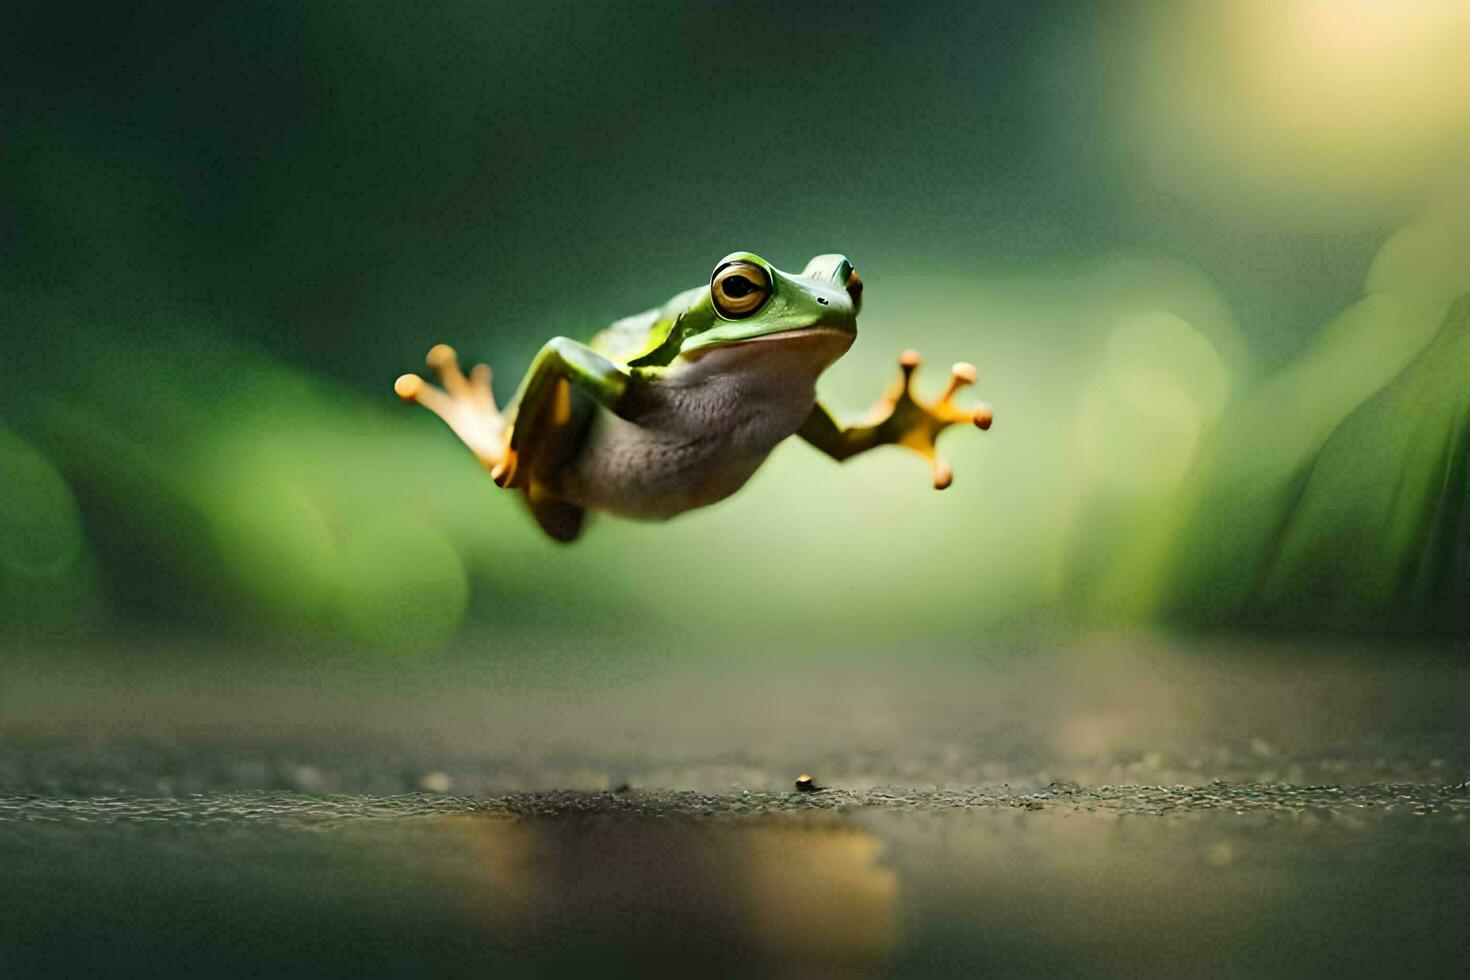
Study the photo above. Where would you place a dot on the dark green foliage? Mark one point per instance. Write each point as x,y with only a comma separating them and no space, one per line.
1381,535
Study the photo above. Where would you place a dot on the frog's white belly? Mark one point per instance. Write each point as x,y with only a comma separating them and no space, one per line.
697,434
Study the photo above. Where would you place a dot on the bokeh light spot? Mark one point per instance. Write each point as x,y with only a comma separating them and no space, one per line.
1141,416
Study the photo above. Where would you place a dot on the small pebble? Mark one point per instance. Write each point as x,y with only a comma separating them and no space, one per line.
436,782
805,784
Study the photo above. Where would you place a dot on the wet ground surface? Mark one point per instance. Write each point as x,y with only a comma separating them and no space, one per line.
1126,808
299,810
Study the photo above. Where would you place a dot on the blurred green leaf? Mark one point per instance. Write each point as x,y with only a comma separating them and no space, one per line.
1381,535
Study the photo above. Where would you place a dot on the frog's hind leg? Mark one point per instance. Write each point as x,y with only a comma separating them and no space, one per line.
545,436
465,403
560,519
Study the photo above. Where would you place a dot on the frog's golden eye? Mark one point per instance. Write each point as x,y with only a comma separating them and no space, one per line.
739,289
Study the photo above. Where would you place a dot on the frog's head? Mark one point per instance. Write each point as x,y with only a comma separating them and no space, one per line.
749,300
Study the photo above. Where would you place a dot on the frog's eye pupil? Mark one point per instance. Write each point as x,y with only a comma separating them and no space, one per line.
739,289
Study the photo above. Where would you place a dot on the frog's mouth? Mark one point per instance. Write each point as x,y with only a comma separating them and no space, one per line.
820,343
821,333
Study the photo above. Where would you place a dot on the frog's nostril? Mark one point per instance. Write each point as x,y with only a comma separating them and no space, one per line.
822,300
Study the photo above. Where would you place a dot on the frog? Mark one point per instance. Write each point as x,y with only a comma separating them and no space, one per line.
675,408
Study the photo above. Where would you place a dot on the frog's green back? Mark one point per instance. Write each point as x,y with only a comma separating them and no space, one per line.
635,336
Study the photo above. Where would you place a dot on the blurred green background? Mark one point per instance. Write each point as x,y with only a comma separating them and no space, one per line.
1206,256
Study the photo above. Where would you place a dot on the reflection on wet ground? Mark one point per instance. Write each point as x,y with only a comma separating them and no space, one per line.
433,885
1138,814
442,894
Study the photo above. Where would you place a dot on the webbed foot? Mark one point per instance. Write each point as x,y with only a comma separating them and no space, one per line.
916,425
466,404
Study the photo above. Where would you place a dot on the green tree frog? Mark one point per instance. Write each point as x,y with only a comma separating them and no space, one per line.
676,407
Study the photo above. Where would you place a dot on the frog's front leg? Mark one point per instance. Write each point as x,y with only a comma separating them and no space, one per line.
544,403
900,419
505,443
465,403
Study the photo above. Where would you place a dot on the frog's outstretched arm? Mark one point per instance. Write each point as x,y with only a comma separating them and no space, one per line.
900,419
544,403
502,441
465,403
